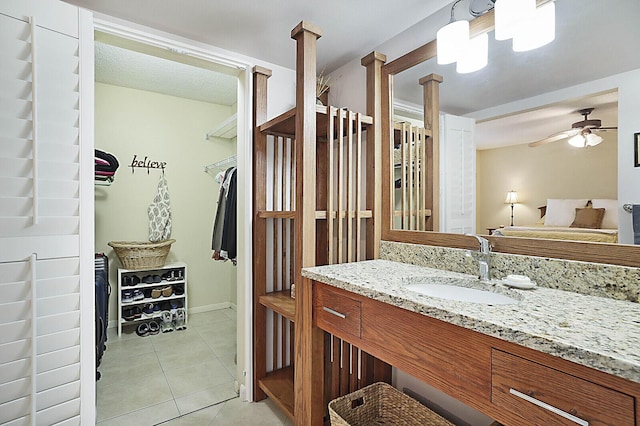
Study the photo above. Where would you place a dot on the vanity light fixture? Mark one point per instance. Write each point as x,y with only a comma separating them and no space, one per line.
512,198
452,39
529,26
475,56
537,31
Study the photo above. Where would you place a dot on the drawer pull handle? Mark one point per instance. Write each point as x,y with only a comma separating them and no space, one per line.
551,408
336,313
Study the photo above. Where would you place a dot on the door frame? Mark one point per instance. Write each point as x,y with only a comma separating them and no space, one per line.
177,44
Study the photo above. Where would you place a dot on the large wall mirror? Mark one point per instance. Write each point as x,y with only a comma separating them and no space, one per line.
517,99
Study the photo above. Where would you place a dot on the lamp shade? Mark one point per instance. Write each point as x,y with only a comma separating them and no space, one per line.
452,41
475,56
536,32
512,198
509,16
592,140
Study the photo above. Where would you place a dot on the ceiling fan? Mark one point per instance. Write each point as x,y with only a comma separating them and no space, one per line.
582,133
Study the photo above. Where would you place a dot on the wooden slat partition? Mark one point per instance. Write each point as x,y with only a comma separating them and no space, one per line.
411,196
311,205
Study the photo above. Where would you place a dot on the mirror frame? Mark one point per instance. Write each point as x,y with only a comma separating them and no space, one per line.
614,254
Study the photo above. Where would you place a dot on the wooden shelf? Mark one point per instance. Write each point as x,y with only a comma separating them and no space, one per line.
320,214
285,124
278,385
280,302
397,213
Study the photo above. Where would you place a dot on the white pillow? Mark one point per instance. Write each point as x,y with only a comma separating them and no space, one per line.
610,220
562,212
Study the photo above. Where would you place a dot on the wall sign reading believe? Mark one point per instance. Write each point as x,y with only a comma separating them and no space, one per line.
146,164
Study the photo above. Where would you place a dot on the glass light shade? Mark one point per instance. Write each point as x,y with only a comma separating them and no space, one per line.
510,14
578,141
538,31
475,56
592,140
452,41
512,198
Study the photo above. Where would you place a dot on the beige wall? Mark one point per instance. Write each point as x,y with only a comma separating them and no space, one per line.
164,128
554,170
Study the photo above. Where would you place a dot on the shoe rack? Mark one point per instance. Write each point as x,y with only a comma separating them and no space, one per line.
143,294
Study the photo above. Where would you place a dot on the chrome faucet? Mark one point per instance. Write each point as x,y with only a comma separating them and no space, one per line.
484,258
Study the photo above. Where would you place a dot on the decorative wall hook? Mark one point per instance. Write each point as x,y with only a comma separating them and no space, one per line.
146,164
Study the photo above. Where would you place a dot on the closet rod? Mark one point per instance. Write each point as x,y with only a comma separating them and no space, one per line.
222,164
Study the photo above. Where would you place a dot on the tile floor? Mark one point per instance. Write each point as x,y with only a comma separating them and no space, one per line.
184,377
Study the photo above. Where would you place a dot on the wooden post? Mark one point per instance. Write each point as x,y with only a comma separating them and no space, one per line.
431,90
373,62
260,76
308,378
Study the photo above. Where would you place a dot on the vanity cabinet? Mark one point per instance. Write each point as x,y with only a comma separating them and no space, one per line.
543,395
511,383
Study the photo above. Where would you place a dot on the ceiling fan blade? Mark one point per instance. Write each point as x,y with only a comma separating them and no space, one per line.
605,129
556,137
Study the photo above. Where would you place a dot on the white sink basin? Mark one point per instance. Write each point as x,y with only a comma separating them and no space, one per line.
461,294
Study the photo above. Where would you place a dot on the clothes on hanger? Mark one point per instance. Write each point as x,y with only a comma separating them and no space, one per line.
224,239
105,166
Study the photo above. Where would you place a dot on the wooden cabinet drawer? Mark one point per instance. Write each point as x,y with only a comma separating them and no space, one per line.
534,392
335,312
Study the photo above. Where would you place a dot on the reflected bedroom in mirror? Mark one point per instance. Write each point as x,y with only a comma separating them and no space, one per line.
528,143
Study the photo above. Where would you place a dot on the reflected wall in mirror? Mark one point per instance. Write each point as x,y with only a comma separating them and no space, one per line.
524,97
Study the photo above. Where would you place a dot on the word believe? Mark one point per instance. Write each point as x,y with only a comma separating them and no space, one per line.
146,164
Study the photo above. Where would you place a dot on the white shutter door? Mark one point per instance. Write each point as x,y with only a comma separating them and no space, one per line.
39,225
458,175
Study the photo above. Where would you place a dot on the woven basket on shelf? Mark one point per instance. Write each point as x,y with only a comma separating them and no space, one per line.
381,403
142,255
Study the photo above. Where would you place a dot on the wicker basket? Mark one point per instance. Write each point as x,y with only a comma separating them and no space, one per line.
142,255
381,403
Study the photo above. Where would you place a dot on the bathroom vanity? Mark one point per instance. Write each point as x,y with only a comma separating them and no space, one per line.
549,357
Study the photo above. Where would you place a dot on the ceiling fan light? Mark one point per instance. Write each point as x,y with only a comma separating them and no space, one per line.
475,56
509,16
593,139
452,40
578,141
538,31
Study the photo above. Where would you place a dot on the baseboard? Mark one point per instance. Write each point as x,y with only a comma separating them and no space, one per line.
207,308
196,310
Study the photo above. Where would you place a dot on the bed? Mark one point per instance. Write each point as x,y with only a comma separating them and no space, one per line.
592,220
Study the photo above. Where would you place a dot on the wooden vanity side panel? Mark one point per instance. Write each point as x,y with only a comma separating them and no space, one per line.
448,357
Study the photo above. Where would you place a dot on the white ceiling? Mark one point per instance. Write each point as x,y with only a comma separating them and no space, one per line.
123,67
594,39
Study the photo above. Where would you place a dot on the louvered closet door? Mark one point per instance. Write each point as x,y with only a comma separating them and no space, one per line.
458,175
39,225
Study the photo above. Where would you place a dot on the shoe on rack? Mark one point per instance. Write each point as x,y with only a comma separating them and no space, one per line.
142,330
134,279
127,296
147,279
131,314
156,292
178,289
167,291
167,322
179,319
156,278
154,327
147,310
138,295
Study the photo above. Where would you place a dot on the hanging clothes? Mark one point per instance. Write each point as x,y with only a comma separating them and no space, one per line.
105,166
224,239
159,212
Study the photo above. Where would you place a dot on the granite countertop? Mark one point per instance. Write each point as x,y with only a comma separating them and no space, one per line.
597,332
